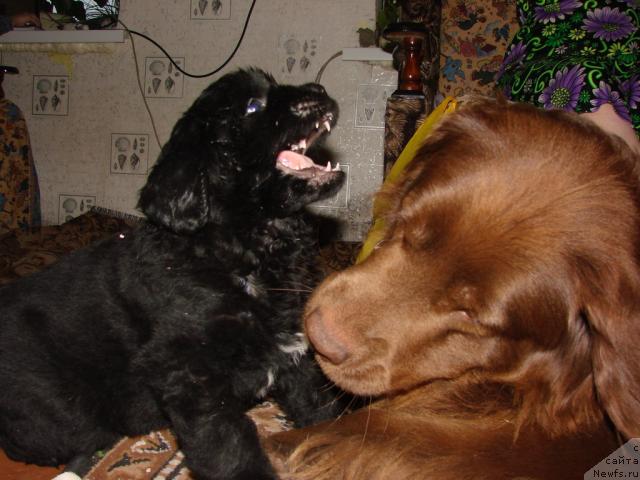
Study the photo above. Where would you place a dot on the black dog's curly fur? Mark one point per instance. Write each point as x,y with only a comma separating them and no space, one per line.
190,319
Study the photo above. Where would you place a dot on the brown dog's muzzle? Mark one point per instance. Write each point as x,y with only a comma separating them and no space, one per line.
348,310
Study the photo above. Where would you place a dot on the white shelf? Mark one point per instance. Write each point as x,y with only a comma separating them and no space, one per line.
368,54
63,36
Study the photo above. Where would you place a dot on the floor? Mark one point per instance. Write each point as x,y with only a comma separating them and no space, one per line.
10,470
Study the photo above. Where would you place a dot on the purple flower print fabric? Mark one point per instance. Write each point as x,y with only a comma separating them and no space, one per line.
576,55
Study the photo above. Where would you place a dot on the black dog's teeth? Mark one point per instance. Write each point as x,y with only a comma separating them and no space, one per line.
296,159
299,147
325,123
321,126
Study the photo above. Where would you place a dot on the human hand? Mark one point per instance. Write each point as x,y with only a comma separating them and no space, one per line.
25,20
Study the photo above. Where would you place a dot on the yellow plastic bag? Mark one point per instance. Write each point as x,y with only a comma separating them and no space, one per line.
376,232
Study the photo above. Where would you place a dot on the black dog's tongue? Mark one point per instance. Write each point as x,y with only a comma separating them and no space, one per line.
294,161
289,160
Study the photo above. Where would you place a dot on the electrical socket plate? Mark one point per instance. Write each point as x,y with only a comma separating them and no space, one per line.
162,79
50,95
129,153
371,104
341,198
210,9
71,206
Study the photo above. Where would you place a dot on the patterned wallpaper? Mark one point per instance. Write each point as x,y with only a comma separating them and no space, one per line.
92,138
474,37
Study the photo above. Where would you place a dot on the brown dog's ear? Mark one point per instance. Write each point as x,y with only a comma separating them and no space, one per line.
615,331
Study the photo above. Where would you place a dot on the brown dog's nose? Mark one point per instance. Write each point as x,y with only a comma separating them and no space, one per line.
321,332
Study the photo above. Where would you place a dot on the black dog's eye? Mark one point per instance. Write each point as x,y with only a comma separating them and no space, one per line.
255,105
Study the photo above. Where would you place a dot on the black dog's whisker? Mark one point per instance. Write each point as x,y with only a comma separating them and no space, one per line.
305,290
327,386
345,411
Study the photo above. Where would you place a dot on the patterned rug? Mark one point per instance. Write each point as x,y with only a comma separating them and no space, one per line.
156,456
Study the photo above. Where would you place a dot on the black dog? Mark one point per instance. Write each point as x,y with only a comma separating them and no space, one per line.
190,319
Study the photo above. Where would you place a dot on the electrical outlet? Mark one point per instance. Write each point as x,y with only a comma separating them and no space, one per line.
341,198
371,104
162,79
50,95
129,153
210,9
71,206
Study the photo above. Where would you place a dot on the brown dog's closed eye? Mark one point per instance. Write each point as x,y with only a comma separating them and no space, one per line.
499,321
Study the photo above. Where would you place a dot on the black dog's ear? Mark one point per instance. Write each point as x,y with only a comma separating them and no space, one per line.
176,194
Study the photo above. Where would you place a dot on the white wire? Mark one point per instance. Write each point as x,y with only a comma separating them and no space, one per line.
140,87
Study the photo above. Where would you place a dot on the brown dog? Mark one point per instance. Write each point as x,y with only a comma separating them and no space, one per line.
499,320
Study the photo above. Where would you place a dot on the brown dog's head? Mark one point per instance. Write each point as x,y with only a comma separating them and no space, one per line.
511,258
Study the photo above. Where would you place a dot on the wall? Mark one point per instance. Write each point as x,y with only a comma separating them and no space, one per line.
83,150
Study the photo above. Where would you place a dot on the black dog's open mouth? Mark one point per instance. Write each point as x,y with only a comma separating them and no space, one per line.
293,161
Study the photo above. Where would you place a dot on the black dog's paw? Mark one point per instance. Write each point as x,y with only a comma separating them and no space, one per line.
80,465
306,395
221,444
256,476
244,475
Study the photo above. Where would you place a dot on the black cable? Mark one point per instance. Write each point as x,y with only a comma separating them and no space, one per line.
213,72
